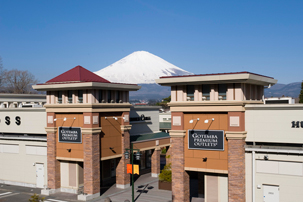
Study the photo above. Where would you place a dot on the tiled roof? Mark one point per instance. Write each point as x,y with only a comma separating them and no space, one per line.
214,75
78,74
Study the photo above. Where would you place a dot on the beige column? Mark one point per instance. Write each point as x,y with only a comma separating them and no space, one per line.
236,166
155,161
180,178
122,178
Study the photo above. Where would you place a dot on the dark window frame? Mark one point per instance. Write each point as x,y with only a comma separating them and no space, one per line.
206,89
70,96
59,97
190,92
222,90
80,96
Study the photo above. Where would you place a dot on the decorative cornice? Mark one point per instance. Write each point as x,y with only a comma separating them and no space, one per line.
91,130
85,85
235,135
111,157
177,133
95,105
81,110
125,127
51,129
69,159
206,170
213,103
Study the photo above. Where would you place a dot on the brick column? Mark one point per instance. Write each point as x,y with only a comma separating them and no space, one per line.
91,158
180,178
53,165
91,161
236,166
122,178
155,161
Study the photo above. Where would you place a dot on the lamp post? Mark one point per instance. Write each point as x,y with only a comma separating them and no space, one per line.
126,154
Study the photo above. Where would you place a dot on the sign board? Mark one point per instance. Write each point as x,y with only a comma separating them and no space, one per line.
70,135
206,139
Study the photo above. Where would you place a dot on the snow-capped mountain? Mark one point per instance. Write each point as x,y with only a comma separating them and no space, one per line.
140,67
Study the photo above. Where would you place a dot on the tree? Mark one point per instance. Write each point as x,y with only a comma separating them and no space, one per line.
301,94
1,73
164,102
19,82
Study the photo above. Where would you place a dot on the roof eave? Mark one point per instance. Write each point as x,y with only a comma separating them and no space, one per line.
85,85
217,79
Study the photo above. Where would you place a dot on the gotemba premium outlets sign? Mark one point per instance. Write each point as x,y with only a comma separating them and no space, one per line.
206,139
70,134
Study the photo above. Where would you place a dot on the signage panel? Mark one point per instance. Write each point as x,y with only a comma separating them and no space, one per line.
206,139
70,134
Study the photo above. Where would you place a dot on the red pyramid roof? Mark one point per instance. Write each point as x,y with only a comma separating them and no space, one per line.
78,74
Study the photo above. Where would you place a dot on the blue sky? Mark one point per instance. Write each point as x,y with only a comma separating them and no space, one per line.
203,36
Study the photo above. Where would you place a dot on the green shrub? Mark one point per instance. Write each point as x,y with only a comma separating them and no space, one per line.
36,198
163,151
165,174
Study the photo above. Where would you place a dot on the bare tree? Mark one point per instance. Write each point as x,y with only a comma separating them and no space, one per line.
19,82
1,74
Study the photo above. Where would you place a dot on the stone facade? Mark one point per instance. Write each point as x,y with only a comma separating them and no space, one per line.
236,167
122,178
91,163
180,178
53,165
155,160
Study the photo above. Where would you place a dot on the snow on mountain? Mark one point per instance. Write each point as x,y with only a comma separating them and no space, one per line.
140,67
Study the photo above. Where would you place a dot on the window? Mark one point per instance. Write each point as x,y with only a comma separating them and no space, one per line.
109,96
70,96
100,98
222,88
205,92
117,96
59,96
190,92
80,96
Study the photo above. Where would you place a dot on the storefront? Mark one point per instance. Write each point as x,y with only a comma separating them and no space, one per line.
208,133
23,140
88,129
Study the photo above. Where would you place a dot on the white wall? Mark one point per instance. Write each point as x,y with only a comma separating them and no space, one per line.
283,170
141,127
166,116
32,120
273,123
18,159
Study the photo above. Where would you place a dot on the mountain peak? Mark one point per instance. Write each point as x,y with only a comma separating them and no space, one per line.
140,67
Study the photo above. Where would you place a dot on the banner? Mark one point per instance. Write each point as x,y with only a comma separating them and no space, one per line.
129,169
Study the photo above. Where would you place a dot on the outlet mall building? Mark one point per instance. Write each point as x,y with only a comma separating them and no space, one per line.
225,143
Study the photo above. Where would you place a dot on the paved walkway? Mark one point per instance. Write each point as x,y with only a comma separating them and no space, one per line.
146,190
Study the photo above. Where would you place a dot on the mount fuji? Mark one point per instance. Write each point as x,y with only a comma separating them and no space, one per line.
142,67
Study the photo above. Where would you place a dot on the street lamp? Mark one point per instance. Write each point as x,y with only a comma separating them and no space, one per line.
137,156
126,154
